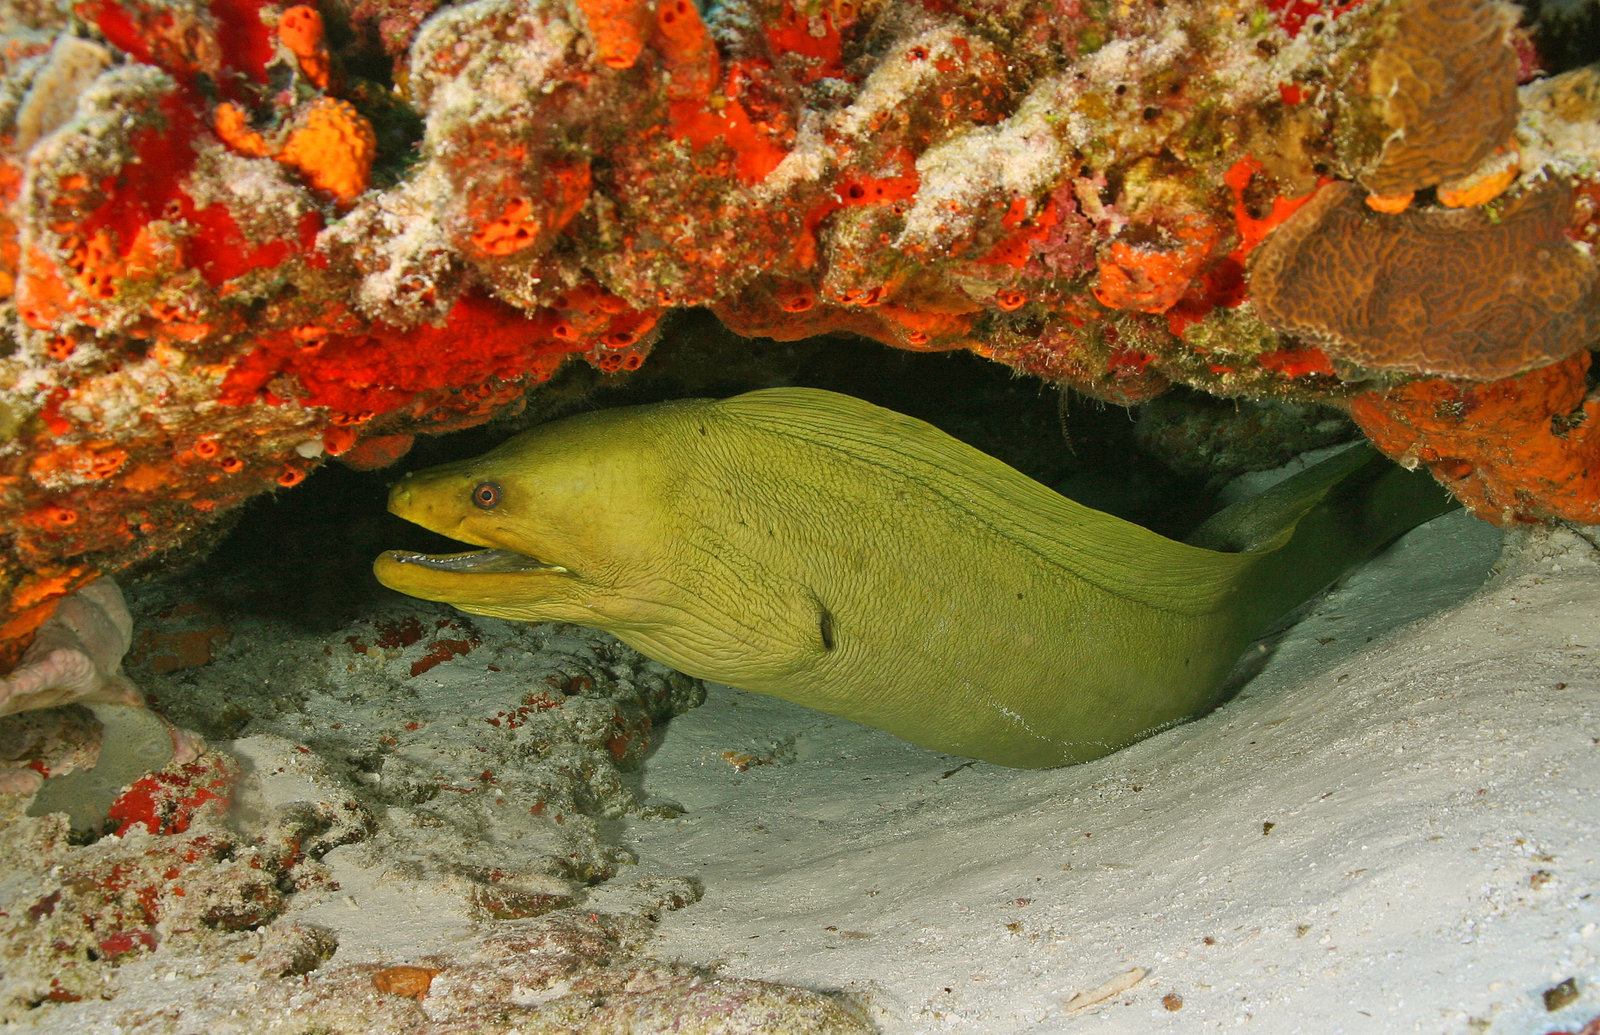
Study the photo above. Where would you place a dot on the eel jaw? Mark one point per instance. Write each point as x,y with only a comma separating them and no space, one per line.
475,562
491,581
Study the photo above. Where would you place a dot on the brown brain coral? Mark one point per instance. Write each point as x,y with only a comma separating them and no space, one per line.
1446,83
1463,293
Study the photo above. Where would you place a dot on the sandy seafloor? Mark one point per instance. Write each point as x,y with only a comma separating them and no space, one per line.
1392,828
1425,746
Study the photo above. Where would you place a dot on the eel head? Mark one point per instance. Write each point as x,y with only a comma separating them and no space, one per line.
562,519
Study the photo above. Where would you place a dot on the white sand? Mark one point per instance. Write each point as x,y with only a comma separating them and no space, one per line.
1424,749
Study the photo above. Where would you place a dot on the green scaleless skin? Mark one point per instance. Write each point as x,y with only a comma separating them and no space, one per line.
817,548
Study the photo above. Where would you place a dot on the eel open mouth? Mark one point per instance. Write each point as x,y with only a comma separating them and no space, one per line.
475,562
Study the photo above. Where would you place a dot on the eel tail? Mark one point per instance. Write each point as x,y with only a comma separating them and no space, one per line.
1315,525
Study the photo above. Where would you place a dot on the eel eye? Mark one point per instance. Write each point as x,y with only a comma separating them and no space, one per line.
486,495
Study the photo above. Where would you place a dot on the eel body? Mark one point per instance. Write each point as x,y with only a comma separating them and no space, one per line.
820,549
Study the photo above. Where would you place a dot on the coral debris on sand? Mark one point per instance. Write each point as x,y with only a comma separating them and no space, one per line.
76,658
76,655
414,763
239,236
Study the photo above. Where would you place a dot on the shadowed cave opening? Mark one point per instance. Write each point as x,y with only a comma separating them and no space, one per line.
300,559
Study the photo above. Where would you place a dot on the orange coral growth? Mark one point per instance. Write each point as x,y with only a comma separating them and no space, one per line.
626,329
756,151
1482,185
522,222
1254,230
42,296
332,146
338,440
857,189
612,362
10,253
1390,204
300,29
1016,249
32,601
1525,448
876,190
381,451
1296,362
1126,362
154,250
588,313
690,56
794,297
514,229
910,317
369,368
791,35
96,266
38,589
617,29
756,315
232,127
1150,278
93,460
148,478
698,114
411,982
51,516
590,298
916,327
1457,292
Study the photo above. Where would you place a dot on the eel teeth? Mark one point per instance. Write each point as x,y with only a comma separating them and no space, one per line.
482,562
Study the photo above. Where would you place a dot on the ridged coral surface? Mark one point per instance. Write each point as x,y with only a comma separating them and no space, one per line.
1445,82
1469,293
230,248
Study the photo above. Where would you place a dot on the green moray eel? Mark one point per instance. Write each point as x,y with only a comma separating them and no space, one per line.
817,548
